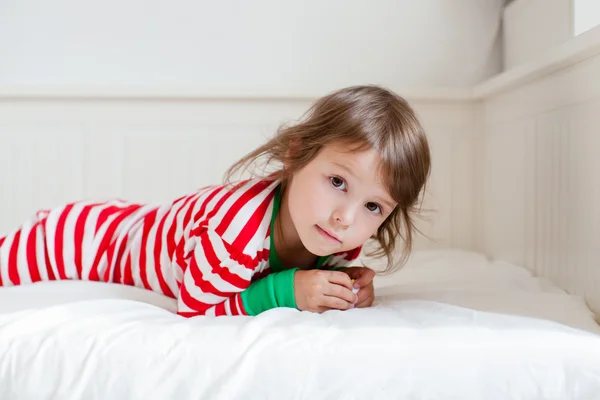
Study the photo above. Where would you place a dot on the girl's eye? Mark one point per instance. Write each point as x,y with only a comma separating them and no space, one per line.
338,182
373,207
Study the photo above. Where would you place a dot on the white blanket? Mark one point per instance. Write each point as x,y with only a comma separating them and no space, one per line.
429,336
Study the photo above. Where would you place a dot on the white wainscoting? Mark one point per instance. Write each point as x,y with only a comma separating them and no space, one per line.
539,189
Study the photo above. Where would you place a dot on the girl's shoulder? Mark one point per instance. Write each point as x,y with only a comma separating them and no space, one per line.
233,193
239,211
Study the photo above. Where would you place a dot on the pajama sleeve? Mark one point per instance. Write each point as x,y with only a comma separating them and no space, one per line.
217,281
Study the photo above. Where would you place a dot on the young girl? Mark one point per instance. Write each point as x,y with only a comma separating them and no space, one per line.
353,169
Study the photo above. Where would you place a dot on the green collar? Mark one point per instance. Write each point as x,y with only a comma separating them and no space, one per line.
274,262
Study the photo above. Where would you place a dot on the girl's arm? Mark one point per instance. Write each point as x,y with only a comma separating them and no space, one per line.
217,281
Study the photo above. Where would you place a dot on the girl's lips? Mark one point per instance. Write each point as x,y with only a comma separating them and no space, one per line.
328,235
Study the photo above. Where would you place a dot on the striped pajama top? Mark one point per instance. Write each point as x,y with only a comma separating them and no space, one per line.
212,249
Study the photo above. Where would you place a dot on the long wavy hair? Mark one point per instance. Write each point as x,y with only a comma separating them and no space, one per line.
365,117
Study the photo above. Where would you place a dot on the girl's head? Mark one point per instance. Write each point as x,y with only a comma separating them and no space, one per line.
353,168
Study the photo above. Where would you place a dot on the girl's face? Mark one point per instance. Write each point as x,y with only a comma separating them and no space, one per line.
337,201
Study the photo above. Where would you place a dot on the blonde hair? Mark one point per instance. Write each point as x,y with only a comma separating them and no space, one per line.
366,117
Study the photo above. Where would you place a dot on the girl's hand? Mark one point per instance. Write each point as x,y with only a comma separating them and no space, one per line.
319,291
363,277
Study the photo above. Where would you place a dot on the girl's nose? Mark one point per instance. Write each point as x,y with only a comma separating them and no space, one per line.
344,215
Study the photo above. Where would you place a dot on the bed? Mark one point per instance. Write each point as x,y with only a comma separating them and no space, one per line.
450,325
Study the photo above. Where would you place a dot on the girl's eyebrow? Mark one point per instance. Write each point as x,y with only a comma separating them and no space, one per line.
347,169
387,203
344,167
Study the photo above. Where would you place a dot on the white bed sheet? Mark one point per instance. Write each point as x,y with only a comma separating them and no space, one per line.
450,325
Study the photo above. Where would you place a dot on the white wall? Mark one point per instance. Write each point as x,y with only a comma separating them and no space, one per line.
265,47
533,27
586,15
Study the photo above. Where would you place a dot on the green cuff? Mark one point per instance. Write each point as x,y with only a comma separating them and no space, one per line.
274,290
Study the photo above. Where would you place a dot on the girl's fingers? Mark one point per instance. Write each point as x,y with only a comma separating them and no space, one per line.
366,277
340,292
332,302
340,278
365,302
365,296
353,272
